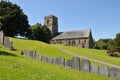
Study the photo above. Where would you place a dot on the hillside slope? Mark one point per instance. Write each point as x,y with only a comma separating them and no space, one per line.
14,66
95,54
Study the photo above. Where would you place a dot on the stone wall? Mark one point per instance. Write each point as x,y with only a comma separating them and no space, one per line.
84,43
5,41
77,64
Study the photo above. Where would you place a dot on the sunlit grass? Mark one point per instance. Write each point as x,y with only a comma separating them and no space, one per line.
93,53
16,67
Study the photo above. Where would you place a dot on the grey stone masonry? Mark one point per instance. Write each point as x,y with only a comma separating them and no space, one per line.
76,63
85,65
94,69
104,71
114,72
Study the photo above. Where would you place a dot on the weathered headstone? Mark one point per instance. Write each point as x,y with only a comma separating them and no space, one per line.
68,63
118,76
94,69
103,70
1,37
10,45
38,57
76,63
5,41
85,65
34,54
50,60
114,72
44,58
60,61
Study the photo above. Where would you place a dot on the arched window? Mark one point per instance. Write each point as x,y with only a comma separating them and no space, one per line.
48,21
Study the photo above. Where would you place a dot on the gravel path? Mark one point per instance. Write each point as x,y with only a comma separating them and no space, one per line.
83,57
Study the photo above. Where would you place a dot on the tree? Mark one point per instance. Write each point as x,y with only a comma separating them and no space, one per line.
117,42
104,44
39,32
13,21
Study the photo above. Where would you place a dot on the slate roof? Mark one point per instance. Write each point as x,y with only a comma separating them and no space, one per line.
73,34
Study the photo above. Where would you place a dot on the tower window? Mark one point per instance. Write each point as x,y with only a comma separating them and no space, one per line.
47,22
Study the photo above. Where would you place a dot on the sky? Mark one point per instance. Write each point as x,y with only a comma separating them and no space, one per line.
101,16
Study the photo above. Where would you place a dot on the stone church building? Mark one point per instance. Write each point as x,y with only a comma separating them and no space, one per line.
79,38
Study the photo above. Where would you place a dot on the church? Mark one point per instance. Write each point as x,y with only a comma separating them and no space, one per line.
79,38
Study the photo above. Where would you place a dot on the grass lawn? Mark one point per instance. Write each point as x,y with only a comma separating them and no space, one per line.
14,66
93,53
40,47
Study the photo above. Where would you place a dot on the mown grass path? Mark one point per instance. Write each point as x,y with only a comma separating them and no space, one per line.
83,57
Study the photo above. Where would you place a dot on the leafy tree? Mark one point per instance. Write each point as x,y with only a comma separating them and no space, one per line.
39,32
117,42
13,21
104,44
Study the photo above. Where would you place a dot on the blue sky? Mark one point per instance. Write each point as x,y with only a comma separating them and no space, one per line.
101,16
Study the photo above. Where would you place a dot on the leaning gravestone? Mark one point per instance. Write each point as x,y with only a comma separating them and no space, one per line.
94,69
1,37
76,63
114,72
85,65
103,70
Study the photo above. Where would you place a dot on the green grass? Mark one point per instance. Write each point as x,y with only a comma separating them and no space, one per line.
14,66
40,47
93,53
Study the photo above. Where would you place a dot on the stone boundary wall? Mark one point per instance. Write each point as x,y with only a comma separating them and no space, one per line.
75,63
5,41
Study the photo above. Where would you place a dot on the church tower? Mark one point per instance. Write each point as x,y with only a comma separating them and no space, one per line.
51,22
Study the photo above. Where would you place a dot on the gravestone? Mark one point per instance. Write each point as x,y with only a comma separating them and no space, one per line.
103,70
5,41
94,69
68,63
50,60
75,63
44,59
10,45
114,72
85,65
61,61
1,37
118,76
34,54
38,57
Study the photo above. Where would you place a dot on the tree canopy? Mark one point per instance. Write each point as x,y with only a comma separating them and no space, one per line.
13,21
117,42
39,32
104,43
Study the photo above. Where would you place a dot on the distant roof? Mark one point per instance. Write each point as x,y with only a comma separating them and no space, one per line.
73,34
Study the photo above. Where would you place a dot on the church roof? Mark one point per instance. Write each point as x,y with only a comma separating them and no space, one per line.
73,34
